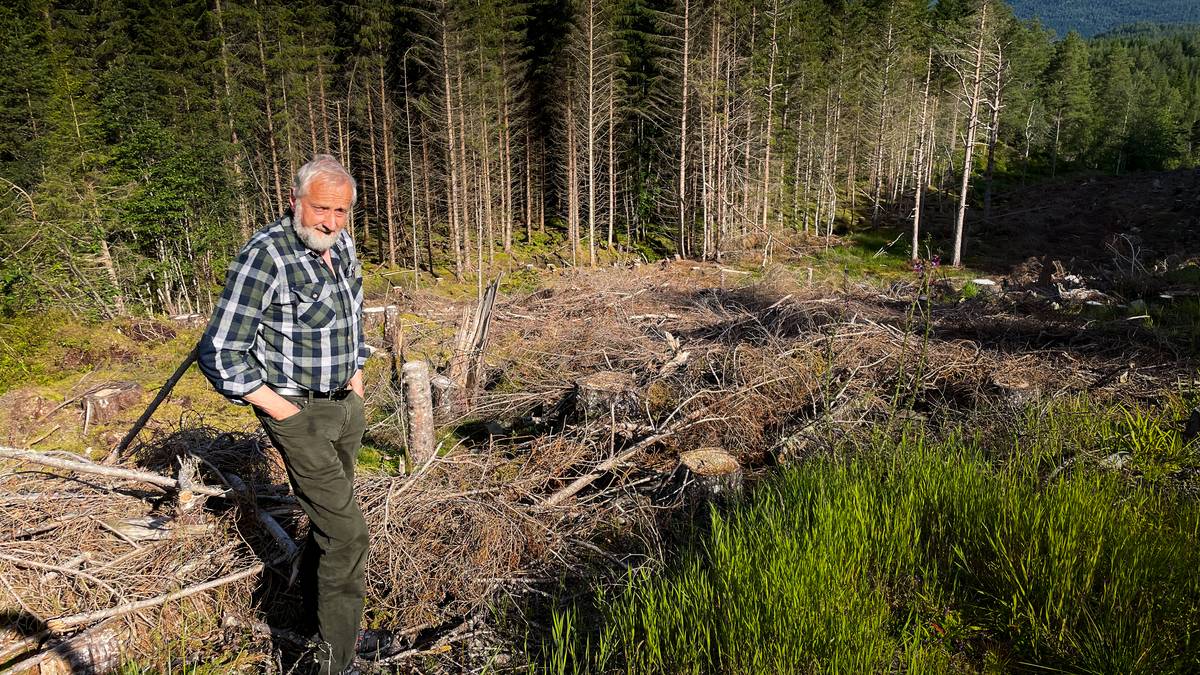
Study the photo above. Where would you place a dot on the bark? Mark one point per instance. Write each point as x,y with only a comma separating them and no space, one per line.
418,404
270,117
919,177
683,131
972,125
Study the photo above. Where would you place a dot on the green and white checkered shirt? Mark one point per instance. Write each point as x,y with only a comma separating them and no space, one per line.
284,319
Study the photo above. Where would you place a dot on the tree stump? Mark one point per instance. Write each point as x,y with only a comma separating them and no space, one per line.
393,333
603,393
1016,391
373,322
105,403
708,474
418,402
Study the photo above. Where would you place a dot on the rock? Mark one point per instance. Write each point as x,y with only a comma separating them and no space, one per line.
109,401
1117,461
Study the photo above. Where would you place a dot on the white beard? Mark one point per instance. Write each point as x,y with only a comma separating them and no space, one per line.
313,239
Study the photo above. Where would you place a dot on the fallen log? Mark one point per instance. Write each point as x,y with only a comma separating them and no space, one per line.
100,470
95,650
612,463
66,623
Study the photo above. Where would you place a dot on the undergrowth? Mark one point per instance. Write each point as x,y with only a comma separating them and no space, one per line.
974,553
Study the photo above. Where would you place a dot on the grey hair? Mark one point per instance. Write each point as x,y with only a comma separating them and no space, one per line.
323,166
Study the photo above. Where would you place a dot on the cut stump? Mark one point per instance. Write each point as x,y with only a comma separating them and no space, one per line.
709,474
104,404
600,394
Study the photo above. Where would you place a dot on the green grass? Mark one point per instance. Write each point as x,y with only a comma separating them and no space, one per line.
925,556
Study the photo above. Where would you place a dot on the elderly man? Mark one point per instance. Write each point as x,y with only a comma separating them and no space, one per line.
287,338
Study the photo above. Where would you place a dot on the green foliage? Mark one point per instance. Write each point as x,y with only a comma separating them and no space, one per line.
926,556
1091,18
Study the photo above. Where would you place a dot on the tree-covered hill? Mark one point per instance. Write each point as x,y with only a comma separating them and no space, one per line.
1089,18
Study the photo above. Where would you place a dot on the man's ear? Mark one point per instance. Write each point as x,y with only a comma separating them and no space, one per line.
292,200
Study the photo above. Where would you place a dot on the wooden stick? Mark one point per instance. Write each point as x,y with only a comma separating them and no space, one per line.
100,470
158,399
617,460
265,519
586,480
66,623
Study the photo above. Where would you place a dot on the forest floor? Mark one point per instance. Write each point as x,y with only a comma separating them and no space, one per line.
829,350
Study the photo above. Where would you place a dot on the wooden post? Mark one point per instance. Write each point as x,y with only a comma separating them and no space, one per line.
418,403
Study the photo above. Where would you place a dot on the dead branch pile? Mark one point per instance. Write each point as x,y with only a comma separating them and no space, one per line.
547,473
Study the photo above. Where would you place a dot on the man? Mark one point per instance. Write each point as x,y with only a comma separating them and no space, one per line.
287,338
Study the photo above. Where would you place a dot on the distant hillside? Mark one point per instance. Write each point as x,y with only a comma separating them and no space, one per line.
1091,17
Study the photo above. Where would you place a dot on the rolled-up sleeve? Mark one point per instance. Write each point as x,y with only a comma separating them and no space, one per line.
224,355
364,351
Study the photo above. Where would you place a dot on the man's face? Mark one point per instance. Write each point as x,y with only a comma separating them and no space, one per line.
320,215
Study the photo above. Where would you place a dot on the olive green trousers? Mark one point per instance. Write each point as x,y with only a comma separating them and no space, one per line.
319,446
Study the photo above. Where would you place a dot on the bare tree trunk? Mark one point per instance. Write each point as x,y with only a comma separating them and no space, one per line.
612,154
572,183
919,177
425,169
389,183
412,179
993,136
769,135
972,125
452,193
877,189
683,131
590,37
528,184
236,159
324,106
371,135
262,61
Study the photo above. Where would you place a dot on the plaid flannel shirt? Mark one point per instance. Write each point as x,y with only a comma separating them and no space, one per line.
284,319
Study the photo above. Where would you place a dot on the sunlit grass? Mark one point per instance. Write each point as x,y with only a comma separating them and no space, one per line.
918,556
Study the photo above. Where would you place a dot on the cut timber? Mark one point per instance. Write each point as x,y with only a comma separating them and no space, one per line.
708,474
1014,390
603,393
107,402
443,395
393,331
418,402
95,650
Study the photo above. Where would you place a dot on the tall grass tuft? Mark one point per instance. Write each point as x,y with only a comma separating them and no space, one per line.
921,557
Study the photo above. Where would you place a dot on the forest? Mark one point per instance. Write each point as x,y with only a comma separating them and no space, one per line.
706,336
1094,18
142,142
